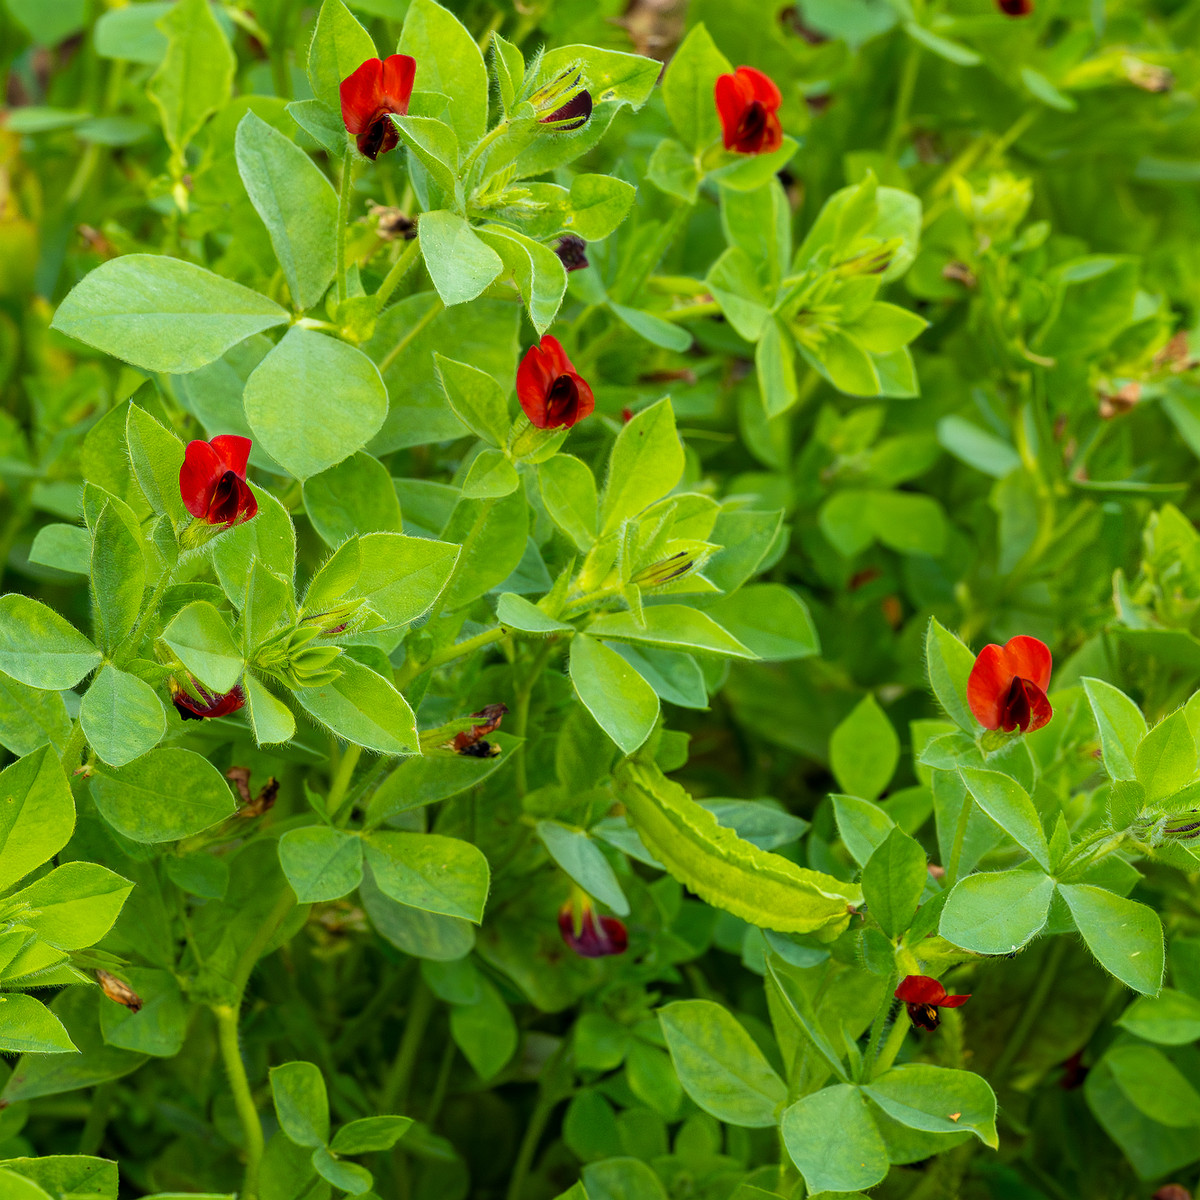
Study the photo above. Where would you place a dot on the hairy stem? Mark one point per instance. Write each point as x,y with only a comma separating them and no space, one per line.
344,191
400,268
239,1085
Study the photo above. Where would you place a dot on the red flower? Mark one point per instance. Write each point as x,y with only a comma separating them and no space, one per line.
1007,685
596,937
923,997
210,704
748,105
550,390
572,115
212,481
1015,8
379,87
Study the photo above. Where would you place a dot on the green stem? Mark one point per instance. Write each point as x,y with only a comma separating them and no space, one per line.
529,1144
343,221
877,1026
341,781
253,951
239,1085
400,268
691,312
73,749
411,669
1031,1011
129,647
480,146
395,1087
520,722
891,1047
908,84
92,1137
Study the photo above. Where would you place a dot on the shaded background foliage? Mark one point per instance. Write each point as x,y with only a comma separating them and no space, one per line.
1024,490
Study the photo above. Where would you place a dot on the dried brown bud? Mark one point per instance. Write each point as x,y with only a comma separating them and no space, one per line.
1113,404
119,991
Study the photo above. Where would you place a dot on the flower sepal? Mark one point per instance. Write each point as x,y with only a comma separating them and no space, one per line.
528,443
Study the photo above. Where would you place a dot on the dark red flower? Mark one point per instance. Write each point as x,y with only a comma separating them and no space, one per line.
378,88
1015,8
470,741
210,704
748,105
572,115
572,252
212,481
550,390
1007,685
923,997
595,937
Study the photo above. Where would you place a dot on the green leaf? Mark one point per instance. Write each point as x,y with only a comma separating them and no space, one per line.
537,271
493,535
433,873
1154,1085
953,52
298,1089
1009,805
70,1175
314,401
1121,724
63,547
195,77
748,172
122,716
157,455
1165,759
270,718
924,1097
688,86
435,147
645,464
162,314
30,717
622,702
448,61
894,880
654,329
368,1135
340,45
159,1027
719,1065
163,796
458,262
997,912
364,708
321,863
833,1141
200,637
28,1026
490,475
1171,1018
671,626
769,619
863,826
949,663
723,869
38,814
478,400
1125,936
674,170
297,204
733,282
270,539
864,750
618,1179
515,612
39,648
585,863
346,1176
422,934
354,496
569,491
884,328
775,361
118,578
485,1031
75,904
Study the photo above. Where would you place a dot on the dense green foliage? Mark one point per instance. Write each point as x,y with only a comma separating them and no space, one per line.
487,683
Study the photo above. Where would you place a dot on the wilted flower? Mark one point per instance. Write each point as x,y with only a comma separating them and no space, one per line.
552,393
1015,8
748,104
572,252
923,997
589,935
212,481
1007,685
118,991
470,742
370,95
209,704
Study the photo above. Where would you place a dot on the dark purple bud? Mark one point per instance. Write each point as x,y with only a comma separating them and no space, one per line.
572,252
572,115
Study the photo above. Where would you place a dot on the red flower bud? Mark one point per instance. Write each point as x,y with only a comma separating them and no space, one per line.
1007,685
748,105
597,937
212,481
572,115
378,88
550,390
1015,8
923,997
572,252
210,704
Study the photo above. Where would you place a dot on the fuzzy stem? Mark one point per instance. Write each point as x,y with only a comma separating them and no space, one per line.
239,1085
411,669
344,191
400,268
